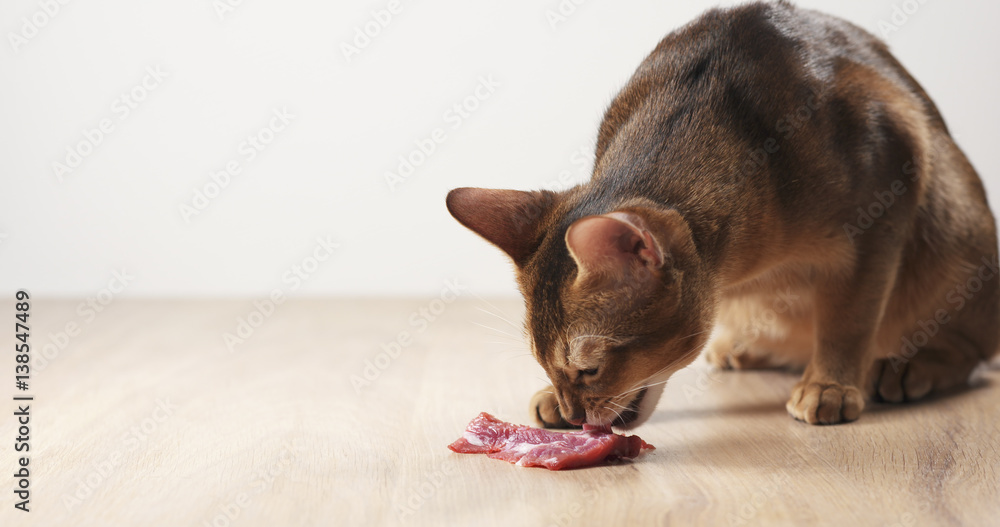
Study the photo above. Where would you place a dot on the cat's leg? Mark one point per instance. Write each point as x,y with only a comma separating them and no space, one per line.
935,368
762,331
848,308
726,352
941,351
936,347
545,410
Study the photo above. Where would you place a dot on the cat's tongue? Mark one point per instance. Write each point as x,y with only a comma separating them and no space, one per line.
604,429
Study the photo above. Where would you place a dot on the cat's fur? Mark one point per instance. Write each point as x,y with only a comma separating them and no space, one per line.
775,175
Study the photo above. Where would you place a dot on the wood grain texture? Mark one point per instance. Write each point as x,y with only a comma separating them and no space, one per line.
274,433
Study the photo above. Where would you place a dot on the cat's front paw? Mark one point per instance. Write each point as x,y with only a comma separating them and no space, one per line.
825,403
545,409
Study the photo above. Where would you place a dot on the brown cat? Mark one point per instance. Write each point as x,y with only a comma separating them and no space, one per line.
773,178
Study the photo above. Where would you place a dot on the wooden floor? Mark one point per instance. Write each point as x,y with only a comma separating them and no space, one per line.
338,412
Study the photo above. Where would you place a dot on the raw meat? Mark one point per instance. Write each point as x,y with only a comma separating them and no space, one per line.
533,447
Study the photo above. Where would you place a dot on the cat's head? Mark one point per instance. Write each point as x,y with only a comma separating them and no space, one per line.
616,300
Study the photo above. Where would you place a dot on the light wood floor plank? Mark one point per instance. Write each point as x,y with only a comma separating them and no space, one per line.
275,433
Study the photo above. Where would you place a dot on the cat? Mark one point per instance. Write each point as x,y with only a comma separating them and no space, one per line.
772,187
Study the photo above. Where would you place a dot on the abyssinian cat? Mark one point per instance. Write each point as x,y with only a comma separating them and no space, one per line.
770,186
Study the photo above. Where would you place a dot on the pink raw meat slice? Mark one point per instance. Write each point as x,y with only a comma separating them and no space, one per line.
533,447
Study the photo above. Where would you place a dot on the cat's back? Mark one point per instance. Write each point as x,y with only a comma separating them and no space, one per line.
771,44
775,119
826,99
750,65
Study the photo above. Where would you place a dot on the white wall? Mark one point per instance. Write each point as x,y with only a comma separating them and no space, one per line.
324,174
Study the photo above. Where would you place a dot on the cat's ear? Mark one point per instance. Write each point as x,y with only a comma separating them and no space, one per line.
611,244
508,219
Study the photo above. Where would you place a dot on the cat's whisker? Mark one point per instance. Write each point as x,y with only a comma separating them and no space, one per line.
517,356
508,350
484,326
695,334
642,384
616,413
645,382
487,302
504,348
496,342
646,386
509,323
506,339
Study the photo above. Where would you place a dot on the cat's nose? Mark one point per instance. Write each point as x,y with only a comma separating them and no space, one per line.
572,410
576,416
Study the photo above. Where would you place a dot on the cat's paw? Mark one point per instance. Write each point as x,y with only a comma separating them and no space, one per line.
897,379
825,403
726,355
545,409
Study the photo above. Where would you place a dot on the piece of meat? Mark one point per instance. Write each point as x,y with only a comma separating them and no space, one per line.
533,447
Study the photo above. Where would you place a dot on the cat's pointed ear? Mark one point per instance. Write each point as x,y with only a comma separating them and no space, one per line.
613,244
508,219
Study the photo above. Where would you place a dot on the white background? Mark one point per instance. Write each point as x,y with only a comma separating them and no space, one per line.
324,175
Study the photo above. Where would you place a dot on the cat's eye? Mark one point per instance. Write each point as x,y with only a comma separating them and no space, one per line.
588,372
